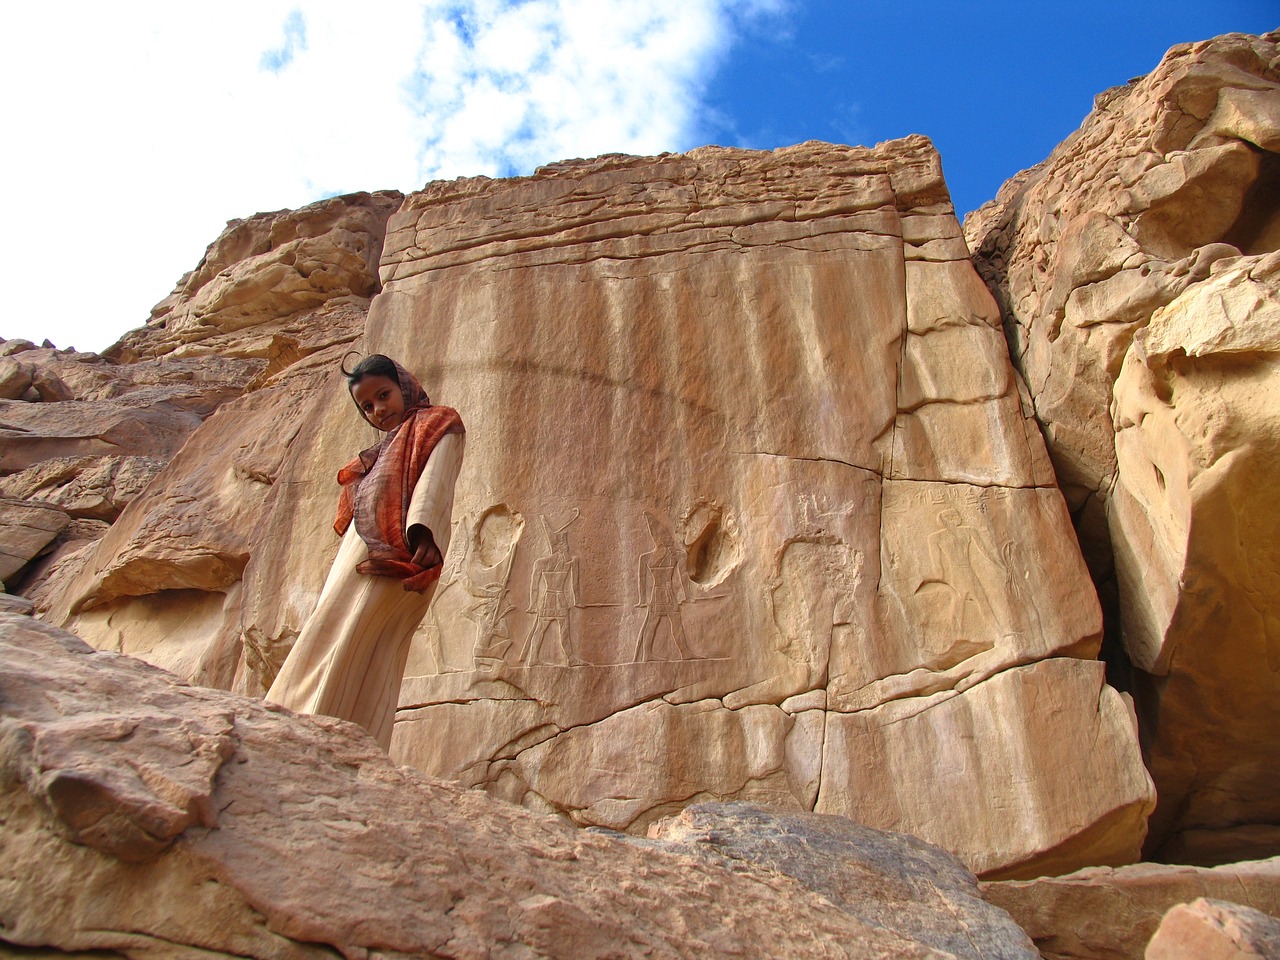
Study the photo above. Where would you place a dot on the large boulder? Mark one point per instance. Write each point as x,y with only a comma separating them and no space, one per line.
148,818
263,274
1215,930
1137,272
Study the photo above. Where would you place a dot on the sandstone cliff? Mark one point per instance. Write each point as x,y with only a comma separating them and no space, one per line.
755,505
1140,280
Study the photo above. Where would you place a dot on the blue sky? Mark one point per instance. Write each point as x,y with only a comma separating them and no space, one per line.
144,126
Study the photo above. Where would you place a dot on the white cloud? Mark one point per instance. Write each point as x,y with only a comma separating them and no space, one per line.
136,130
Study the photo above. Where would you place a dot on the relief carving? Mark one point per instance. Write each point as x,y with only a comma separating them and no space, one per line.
554,592
953,551
661,591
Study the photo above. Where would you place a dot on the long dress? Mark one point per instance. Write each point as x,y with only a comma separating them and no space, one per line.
349,659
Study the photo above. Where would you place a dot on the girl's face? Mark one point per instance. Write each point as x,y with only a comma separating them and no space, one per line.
380,400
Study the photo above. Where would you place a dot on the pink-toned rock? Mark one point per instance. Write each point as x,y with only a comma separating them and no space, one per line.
1215,930
95,488
1111,914
26,528
149,818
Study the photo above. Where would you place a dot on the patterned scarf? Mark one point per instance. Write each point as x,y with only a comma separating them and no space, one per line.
377,486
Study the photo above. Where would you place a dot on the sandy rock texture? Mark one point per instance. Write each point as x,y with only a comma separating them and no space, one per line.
753,508
147,818
1111,914
262,319
1215,930
1137,271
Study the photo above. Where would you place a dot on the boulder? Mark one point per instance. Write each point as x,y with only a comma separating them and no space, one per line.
145,818
762,402
1215,930
92,488
1110,914
884,879
28,528
1136,271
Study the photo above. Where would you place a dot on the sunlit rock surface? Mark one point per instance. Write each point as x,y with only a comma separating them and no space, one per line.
147,818
753,508
1111,914
1138,273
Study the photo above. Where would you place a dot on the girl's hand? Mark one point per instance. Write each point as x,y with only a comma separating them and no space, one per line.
423,545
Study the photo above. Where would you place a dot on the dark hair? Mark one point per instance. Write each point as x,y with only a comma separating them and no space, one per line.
374,365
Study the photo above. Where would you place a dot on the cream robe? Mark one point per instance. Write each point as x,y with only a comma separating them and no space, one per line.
349,659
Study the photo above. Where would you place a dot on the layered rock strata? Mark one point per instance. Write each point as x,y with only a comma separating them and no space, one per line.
147,818
1137,271
753,506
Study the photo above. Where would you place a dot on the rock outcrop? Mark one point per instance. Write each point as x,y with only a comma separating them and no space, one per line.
753,507
147,818
1138,272
1111,914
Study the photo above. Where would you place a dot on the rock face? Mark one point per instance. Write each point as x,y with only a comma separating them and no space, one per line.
1138,273
753,506
147,818
740,520
1112,914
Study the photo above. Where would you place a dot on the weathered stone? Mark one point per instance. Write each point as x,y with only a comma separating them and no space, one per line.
841,493
15,379
978,764
9,348
95,488
26,528
270,267
1137,275
11,604
149,818
1215,930
884,879
766,398
1110,914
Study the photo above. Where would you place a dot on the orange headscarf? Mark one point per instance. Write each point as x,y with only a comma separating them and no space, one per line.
378,485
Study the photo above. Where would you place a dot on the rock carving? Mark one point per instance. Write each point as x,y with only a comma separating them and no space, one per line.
553,593
661,591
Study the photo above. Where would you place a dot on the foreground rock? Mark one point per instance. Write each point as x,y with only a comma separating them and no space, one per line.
884,879
753,507
1111,914
144,817
1138,272
1215,930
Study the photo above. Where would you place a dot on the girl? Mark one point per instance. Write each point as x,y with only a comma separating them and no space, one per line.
349,659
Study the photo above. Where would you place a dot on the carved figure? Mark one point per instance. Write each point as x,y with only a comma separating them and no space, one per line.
951,554
553,593
661,585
